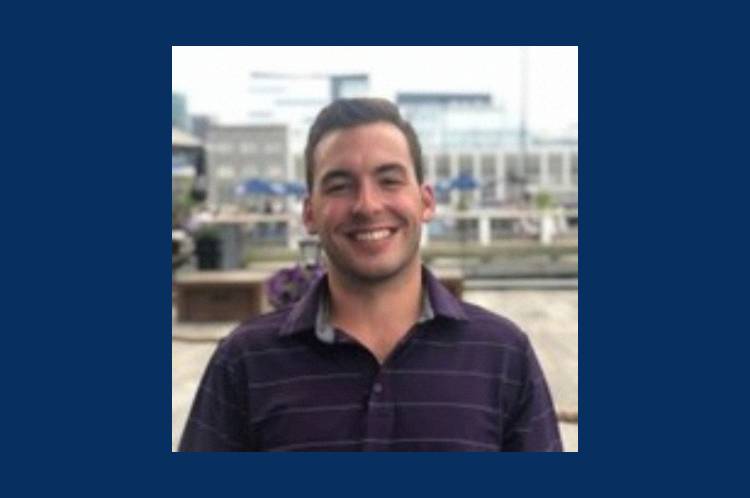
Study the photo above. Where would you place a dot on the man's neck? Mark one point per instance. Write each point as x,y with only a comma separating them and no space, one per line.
377,315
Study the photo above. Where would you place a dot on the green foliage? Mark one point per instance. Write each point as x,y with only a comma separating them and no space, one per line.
207,232
464,201
543,200
266,254
181,208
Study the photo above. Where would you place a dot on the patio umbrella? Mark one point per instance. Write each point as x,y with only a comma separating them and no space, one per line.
296,188
255,186
443,185
277,187
464,182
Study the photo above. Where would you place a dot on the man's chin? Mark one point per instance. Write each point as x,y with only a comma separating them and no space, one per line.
371,274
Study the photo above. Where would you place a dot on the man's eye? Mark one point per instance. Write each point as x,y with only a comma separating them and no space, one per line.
390,182
338,187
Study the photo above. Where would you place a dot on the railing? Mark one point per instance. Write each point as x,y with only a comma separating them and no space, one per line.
478,227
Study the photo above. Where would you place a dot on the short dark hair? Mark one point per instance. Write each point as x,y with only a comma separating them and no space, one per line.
347,113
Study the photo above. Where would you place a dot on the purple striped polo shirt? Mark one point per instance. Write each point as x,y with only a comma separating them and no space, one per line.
462,379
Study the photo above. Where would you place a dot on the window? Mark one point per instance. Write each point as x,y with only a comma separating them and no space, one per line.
555,169
442,173
574,168
488,170
488,167
513,172
466,165
442,167
489,191
299,169
272,148
250,171
225,190
533,168
225,172
224,147
502,228
248,147
275,172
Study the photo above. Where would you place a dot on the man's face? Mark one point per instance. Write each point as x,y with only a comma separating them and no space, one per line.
366,203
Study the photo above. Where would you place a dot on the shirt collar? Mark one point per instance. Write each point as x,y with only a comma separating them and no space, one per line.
325,332
311,311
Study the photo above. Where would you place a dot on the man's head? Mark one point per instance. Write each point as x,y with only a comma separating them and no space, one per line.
367,198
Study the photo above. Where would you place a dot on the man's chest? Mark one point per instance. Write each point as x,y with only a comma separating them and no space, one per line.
423,400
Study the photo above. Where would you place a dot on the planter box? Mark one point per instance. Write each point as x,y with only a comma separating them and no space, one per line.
220,296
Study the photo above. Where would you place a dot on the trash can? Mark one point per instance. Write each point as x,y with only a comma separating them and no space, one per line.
208,251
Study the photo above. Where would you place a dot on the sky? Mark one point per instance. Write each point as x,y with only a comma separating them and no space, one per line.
215,80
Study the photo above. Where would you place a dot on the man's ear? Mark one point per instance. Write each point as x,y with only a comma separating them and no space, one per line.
308,218
428,202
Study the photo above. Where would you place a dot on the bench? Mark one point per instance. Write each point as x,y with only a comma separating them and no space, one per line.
221,296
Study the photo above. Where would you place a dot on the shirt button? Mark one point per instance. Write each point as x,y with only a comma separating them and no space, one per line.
378,388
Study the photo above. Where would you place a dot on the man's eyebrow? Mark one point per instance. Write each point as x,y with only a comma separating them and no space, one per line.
391,168
344,174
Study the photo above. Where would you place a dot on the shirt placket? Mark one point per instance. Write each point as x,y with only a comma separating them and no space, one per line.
381,405
380,414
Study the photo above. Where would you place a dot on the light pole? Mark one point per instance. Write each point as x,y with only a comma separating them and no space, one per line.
522,125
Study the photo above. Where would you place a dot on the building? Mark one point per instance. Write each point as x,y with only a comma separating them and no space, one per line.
240,153
501,177
199,125
460,133
188,171
295,99
457,121
180,117
468,134
347,86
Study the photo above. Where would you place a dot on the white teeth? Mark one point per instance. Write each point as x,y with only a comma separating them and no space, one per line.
376,235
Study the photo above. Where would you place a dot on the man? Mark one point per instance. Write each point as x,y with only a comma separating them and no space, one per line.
378,356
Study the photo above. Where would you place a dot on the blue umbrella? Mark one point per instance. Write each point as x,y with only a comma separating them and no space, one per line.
296,188
464,181
256,186
277,188
443,185
259,186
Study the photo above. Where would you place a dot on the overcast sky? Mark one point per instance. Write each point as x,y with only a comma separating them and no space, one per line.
216,79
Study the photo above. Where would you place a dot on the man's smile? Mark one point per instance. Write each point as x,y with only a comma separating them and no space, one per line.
371,234
371,239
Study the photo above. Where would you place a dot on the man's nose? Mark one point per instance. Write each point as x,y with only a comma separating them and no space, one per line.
368,200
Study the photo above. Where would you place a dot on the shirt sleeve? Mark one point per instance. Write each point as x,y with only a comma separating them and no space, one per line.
532,425
219,417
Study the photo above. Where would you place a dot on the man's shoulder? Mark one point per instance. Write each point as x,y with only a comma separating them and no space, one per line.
485,325
258,333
